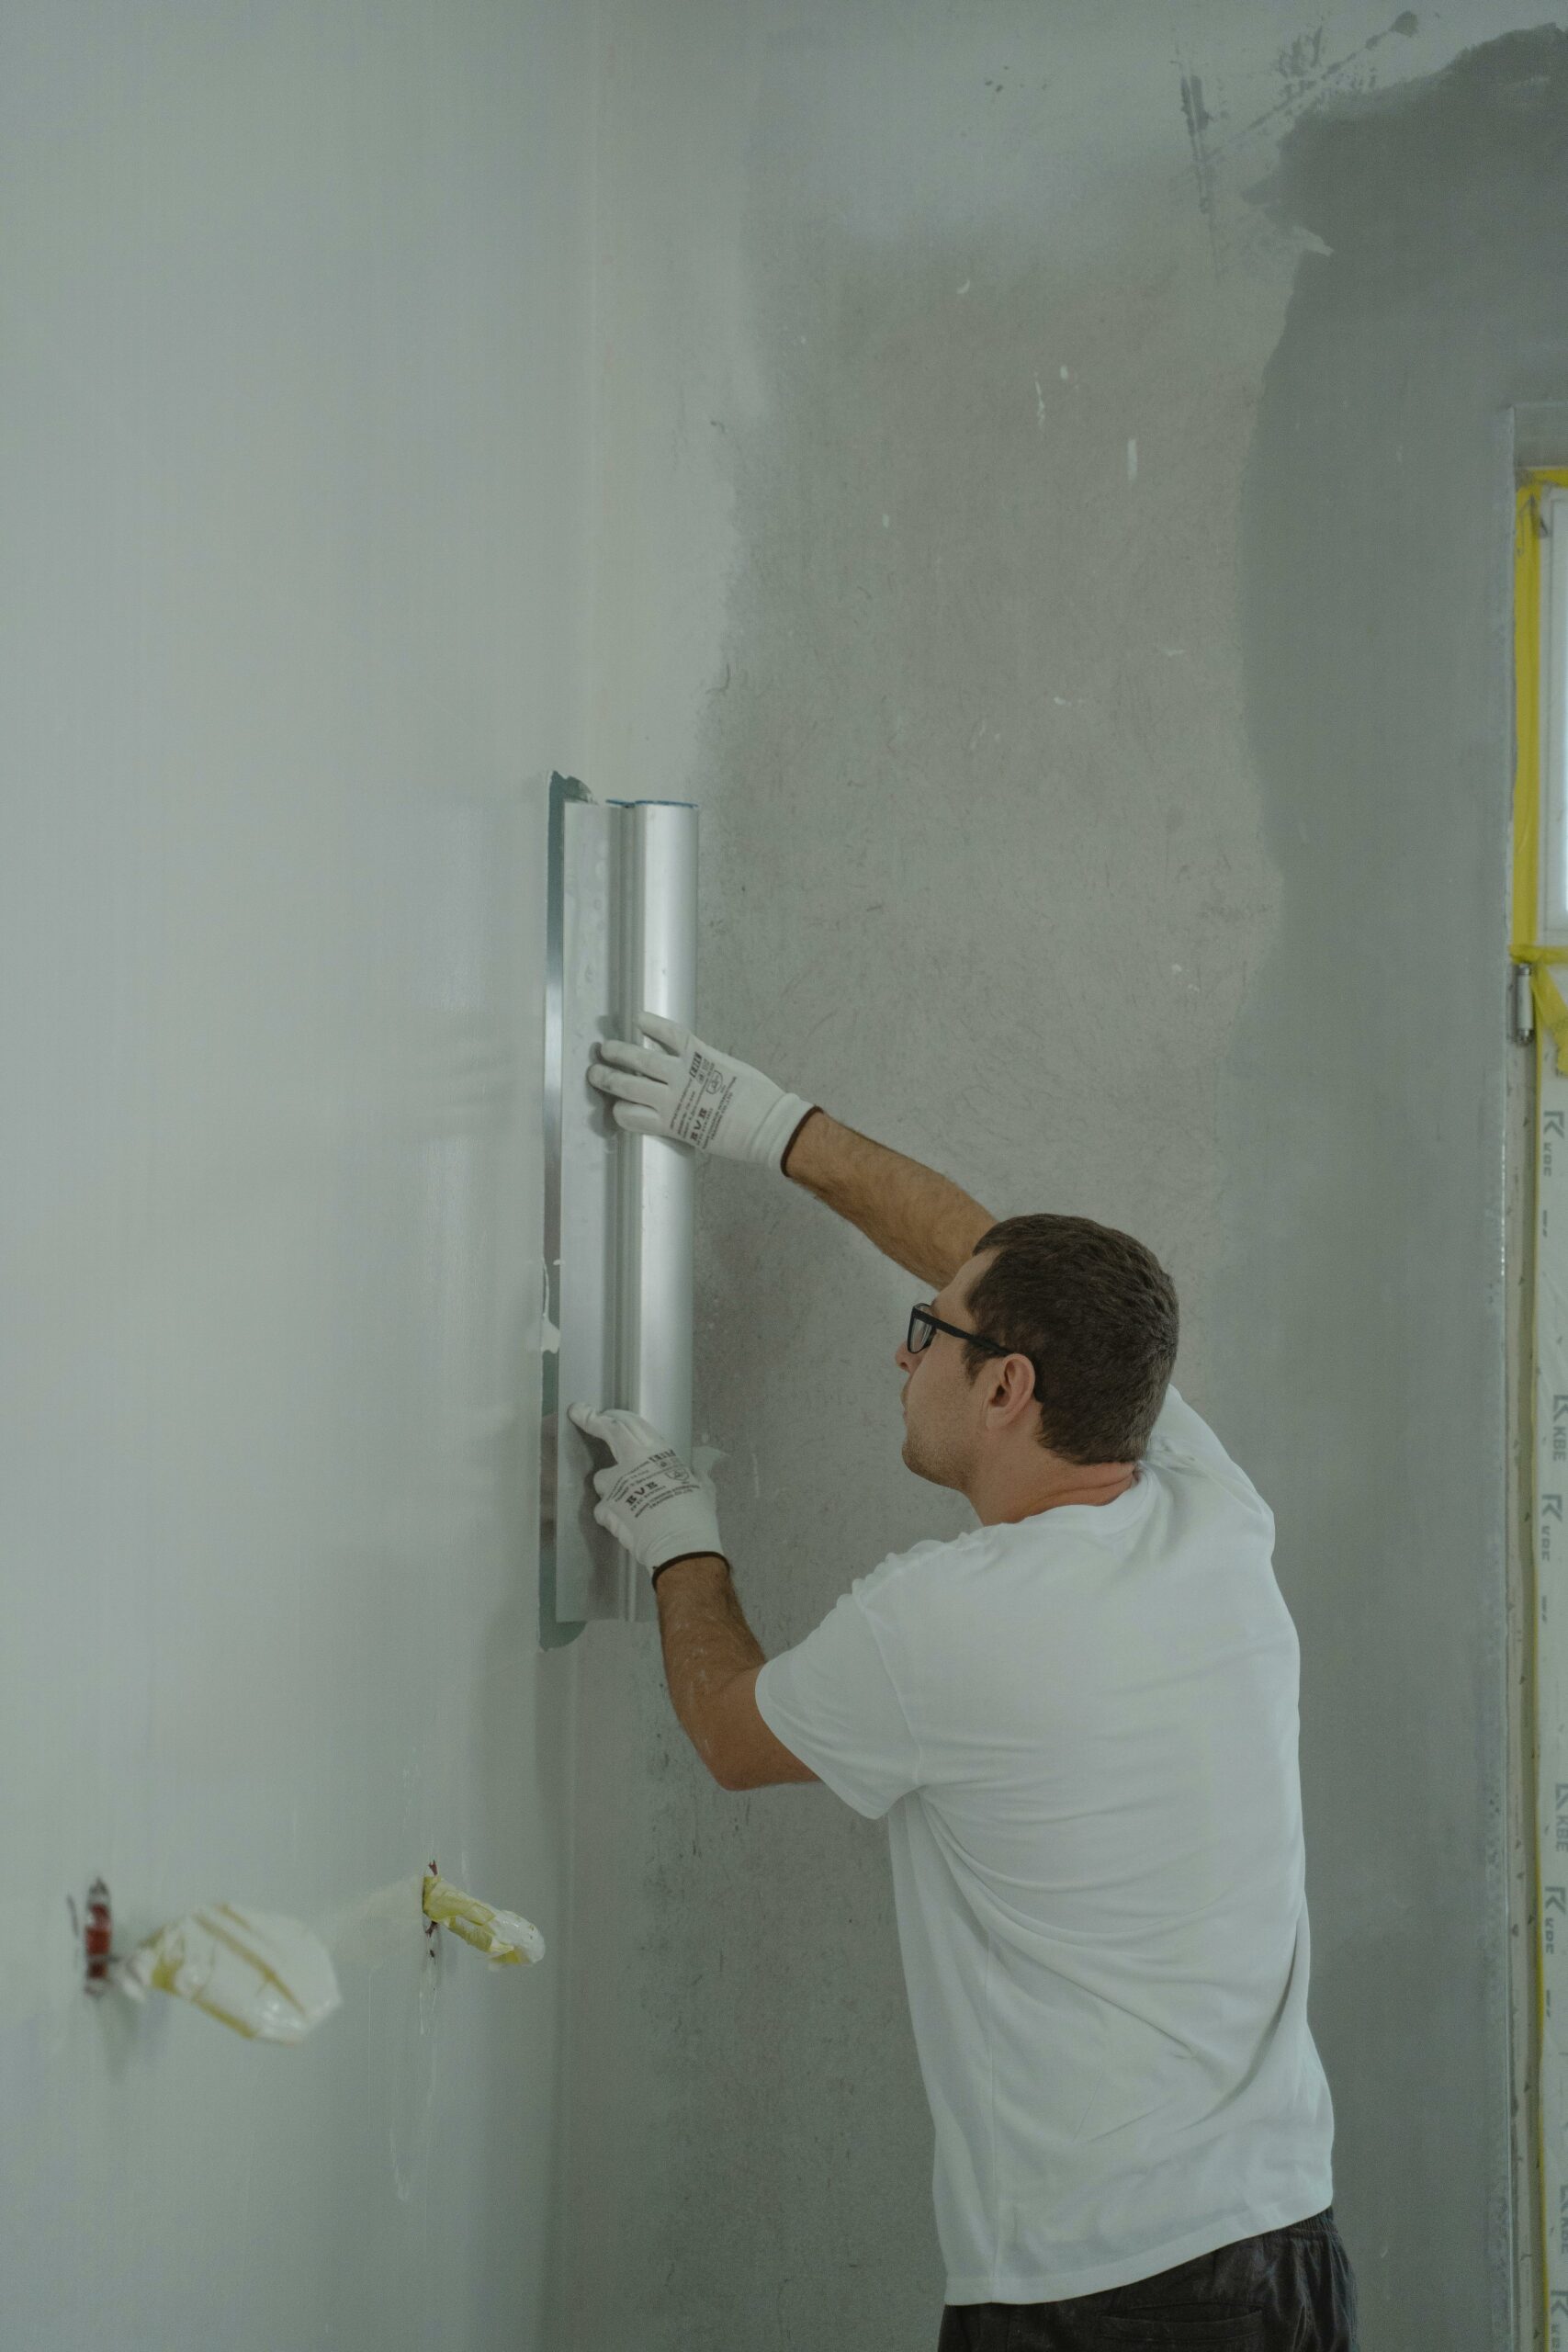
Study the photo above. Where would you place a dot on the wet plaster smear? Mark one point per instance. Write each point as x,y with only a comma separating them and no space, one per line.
1055,517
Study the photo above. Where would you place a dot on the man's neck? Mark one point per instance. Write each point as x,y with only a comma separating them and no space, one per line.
1110,1479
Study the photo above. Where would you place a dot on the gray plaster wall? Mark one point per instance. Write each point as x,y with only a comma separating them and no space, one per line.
1053,512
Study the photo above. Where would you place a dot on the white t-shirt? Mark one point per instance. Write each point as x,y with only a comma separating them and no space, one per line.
1083,1729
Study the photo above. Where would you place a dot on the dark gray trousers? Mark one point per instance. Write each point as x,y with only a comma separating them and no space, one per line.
1284,2291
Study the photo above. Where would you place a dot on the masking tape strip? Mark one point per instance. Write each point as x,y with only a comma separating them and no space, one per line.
502,1935
232,1962
1526,946
1545,1397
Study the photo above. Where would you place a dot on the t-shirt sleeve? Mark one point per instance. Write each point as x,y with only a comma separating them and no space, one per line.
1184,1431
1186,1434
833,1703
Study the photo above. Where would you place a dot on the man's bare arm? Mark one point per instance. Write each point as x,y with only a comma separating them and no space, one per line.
920,1219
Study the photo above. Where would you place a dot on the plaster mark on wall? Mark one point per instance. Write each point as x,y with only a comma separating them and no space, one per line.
1131,462
678,435
1298,63
1039,405
1298,88
965,287
1065,375
1198,121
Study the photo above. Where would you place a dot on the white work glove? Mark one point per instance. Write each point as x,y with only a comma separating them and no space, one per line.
653,1503
692,1095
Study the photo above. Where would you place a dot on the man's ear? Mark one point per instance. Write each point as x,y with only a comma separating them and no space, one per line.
1013,1385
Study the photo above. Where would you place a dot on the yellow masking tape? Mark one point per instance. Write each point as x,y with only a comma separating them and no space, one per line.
502,1935
1526,946
1552,1022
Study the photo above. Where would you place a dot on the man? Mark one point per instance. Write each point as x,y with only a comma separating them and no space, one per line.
1080,1720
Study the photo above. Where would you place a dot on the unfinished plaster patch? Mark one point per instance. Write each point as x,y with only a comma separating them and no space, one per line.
1362,1124
1198,120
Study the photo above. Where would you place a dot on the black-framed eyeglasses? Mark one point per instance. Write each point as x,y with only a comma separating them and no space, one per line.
923,1323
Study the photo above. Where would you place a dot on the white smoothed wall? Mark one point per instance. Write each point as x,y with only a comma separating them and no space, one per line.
293,381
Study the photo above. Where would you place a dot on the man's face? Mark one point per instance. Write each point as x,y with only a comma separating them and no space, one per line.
942,1406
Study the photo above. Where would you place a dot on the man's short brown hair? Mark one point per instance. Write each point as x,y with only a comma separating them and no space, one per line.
1095,1313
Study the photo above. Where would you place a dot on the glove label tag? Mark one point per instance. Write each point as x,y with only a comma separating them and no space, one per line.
652,1482
704,1099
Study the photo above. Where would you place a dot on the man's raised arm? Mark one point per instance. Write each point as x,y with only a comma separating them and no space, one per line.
921,1220
688,1091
